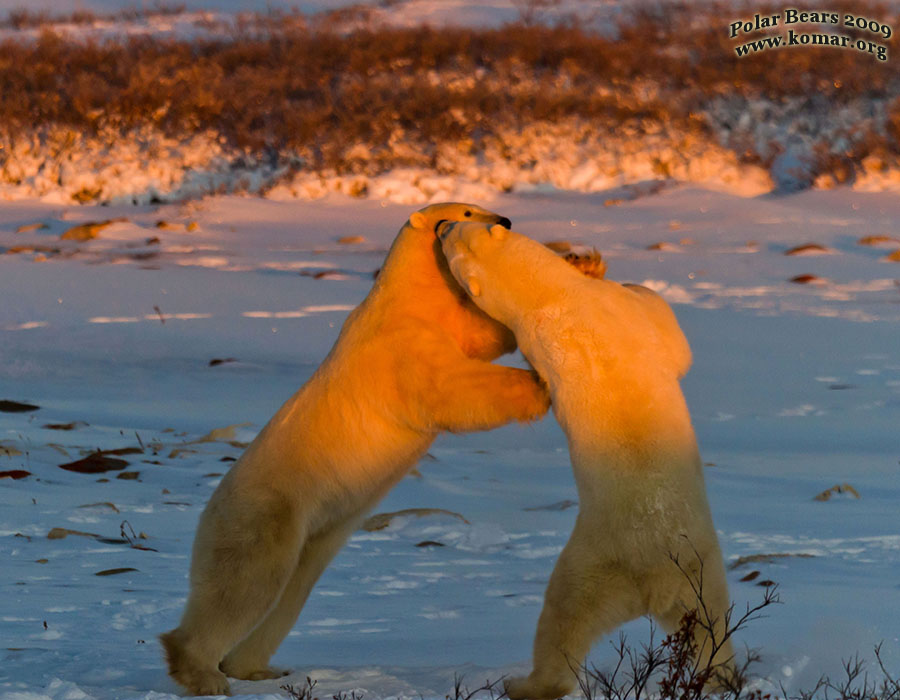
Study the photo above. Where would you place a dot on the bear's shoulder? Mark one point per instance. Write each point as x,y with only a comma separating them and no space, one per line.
663,319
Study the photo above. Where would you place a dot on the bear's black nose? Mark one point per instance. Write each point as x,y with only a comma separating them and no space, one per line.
505,223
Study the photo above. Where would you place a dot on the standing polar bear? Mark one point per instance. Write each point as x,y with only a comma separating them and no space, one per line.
612,356
412,360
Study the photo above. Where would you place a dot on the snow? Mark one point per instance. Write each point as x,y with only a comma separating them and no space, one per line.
149,167
795,388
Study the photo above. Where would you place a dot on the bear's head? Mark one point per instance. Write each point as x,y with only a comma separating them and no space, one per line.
432,216
505,272
497,266
415,277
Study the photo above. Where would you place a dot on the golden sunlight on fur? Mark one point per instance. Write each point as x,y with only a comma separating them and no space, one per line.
412,360
612,356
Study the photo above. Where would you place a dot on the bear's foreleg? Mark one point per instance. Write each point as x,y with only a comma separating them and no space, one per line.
475,395
249,660
586,597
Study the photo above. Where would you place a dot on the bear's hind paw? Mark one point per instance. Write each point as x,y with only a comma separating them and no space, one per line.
203,682
191,672
524,688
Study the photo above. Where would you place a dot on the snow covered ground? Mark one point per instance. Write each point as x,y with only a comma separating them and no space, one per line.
795,388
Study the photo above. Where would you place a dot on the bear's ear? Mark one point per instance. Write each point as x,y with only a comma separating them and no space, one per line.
417,220
473,287
498,232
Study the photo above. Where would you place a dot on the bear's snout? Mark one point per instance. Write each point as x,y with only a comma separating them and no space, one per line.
504,222
442,228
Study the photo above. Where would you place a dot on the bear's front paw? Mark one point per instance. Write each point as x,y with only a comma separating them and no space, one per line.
535,401
525,688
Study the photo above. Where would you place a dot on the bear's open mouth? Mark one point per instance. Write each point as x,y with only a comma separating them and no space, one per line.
437,226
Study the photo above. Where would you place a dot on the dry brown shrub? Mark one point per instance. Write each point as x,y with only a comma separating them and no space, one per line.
280,82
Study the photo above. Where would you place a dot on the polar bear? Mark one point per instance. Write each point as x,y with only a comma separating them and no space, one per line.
412,360
612,356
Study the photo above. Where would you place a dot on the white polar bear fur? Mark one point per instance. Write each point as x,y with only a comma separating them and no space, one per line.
612,356
411,360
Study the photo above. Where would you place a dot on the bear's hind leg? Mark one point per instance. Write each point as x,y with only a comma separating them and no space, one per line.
674,595
237,575
586,598
249,660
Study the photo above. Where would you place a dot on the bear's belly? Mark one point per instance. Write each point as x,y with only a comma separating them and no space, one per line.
649,511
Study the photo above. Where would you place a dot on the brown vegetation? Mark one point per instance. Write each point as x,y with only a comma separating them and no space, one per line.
24,18
375,97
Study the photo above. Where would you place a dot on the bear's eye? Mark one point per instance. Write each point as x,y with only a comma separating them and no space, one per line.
468,213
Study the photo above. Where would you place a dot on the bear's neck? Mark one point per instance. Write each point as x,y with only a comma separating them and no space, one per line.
539,314
411,251
413,270
548,338
532,294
